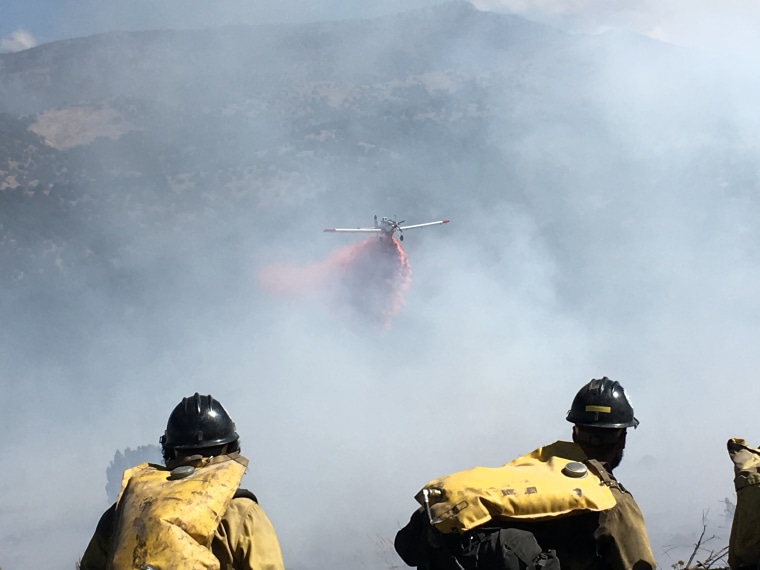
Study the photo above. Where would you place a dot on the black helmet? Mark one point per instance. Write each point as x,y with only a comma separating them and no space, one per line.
603,404
198,422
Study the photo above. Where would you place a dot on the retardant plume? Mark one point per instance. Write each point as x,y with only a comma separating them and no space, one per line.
365,280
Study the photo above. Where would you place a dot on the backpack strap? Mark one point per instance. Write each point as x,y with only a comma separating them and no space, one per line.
603,474
245,494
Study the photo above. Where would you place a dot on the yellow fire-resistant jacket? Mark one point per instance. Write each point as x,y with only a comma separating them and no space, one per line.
244,539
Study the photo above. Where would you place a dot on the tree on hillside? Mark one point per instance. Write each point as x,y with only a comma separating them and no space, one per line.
126,459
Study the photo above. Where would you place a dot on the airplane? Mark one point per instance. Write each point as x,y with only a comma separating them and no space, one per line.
387,227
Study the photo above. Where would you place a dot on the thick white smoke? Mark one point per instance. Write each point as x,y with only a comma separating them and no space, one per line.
642,267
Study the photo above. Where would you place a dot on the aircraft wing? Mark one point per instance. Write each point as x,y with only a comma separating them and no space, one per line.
354,230
423,225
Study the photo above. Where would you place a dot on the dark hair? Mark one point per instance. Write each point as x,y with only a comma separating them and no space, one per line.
213,451
598,437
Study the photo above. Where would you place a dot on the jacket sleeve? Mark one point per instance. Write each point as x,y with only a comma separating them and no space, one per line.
246,540
622,536
410,540
95,557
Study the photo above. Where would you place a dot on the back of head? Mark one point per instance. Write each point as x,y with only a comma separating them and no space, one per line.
602,403
601,412
199,425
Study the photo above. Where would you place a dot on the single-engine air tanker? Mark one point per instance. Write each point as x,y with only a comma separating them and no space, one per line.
387,227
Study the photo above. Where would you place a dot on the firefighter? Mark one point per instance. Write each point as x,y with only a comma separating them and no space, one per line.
191,513
521,525
744,541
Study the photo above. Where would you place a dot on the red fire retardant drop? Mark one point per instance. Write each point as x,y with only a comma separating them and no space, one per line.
365,280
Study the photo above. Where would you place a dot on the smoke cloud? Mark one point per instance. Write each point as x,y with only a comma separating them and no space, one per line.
725,27
19,40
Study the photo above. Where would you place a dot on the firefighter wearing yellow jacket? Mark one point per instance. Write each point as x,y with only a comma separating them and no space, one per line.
190,514
559,506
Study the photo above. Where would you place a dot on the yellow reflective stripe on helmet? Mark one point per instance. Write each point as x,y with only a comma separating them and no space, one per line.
600,409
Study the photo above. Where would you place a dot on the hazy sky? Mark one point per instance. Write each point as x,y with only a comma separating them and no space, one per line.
49,20
730,24
497,334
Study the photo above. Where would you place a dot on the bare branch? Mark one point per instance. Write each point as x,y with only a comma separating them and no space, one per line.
702,558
